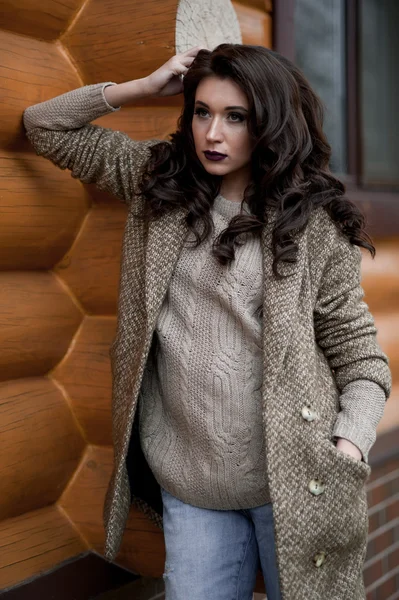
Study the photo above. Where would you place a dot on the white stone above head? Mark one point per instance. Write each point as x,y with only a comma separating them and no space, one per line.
206,23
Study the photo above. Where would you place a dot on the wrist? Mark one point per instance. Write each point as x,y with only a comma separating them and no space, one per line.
147,86
129,91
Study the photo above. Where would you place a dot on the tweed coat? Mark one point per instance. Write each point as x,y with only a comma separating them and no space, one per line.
318,335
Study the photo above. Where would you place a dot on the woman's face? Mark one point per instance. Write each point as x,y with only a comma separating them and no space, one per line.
220,125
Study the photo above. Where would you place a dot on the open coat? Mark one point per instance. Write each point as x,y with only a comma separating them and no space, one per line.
318,335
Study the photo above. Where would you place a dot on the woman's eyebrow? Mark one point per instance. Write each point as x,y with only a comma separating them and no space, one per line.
225,108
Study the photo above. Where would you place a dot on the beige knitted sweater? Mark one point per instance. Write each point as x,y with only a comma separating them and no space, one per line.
201,401
201,424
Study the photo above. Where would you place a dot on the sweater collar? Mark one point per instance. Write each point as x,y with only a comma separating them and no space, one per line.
228,208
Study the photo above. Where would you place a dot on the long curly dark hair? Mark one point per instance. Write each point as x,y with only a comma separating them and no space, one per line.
289,163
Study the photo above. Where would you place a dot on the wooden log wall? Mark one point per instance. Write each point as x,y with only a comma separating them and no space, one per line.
60,247
380,281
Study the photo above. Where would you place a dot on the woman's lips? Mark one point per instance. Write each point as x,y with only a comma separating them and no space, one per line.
214,156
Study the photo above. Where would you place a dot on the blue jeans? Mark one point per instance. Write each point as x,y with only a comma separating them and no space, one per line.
215,554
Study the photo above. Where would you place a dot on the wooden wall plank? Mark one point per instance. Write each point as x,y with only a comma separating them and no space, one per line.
31,71
91,267
85,374
387,325
38,319
143,548
45,20
106,47
380,276
380,281
35,542
143,122
42,207
41,445
263,5
255,25
42,210
83,499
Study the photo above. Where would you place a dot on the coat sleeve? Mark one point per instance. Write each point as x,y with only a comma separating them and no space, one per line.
344,326
362,405
60,130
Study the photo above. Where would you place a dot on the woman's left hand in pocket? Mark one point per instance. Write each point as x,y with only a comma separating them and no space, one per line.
349,448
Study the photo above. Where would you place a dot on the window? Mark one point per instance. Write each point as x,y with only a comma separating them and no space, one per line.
379,91
349,51
320,52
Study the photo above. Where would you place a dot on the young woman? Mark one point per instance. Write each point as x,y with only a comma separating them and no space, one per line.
242,335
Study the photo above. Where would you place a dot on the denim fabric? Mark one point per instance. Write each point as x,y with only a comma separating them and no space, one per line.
215,554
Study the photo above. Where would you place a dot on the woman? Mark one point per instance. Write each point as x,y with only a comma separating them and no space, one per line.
242,334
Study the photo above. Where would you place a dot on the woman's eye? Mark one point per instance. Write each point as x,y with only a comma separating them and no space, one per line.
236,117
200,112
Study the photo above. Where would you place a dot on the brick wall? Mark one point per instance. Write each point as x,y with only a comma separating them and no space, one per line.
381,569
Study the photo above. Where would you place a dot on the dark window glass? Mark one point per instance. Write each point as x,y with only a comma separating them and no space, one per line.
320,51
379,76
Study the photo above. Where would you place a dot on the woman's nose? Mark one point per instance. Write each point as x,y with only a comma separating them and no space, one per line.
214,133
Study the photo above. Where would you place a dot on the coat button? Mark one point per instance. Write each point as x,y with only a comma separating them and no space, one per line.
316,487
308,413
319,558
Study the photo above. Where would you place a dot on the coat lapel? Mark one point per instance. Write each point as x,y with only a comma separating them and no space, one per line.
165,242
280,301
166,237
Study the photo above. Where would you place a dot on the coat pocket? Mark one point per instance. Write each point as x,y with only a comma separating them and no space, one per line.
357,467
328,517
342,519
337,502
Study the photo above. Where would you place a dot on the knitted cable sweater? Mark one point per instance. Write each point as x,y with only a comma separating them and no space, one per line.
201,396
201,425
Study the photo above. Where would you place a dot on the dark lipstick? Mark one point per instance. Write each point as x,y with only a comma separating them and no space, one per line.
214,155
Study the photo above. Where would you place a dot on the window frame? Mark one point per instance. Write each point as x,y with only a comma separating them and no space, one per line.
379,203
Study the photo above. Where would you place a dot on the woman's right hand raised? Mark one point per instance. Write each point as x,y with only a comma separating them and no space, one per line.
167,81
